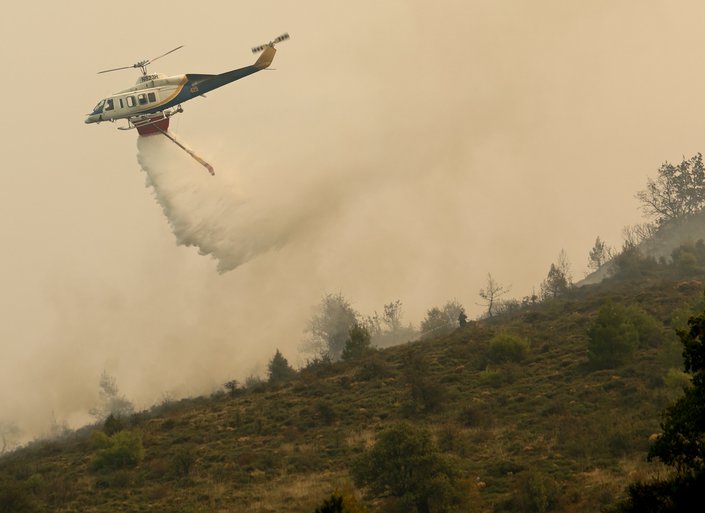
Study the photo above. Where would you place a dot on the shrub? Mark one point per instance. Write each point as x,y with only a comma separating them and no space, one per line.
325,411
676,379
537,493
123,449
507,347
471,416
650,330
373,367
426,394
493,378
339,503
183,461
406,464
612,338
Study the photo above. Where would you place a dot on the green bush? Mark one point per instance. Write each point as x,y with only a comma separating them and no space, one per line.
492,378
650,330
612,337
507,347
123,449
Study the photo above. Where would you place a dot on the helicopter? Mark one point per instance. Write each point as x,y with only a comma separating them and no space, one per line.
155,98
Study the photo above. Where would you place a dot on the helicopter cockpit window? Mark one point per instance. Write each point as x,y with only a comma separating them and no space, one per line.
109,104
130,101
142,99
99,107
152,97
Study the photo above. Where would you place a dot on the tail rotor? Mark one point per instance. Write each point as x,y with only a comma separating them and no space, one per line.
271,44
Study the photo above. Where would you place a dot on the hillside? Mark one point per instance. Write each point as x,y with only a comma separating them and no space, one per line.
550,425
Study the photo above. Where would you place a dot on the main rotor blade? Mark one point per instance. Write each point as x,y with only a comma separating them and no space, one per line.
164,54
114,69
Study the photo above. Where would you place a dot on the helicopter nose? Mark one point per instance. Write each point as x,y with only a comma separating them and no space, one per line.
92,118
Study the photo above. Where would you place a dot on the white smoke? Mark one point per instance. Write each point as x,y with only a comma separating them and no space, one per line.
232,220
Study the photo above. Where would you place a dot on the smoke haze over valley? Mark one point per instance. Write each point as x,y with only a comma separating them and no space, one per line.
399,151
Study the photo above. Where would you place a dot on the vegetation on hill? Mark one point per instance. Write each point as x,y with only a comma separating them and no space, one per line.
548,404
681,444
511,407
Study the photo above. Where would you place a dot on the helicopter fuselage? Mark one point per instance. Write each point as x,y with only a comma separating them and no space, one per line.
155,94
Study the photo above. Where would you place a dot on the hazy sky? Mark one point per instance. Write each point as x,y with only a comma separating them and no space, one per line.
399,151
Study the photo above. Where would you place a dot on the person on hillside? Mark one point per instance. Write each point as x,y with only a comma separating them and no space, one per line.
462,318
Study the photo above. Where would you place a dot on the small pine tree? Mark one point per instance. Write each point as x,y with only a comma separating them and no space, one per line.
279,369
555,284
358,343
599,254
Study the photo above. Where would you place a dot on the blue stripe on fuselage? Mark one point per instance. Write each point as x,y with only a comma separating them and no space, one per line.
197,85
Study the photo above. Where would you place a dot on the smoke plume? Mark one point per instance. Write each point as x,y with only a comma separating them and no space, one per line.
221,216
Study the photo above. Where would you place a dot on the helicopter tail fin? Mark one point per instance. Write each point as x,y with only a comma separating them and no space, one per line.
266,58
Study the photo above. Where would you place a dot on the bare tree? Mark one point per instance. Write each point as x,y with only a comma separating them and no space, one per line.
563,265
491,293
637,233
387,329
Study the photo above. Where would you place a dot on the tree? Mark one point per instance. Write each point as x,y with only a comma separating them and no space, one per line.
559,279
406,463
330,326
440,321
491,293
599,254
112,403
358,343
435,321
555,283
612,337
677,192
279,369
